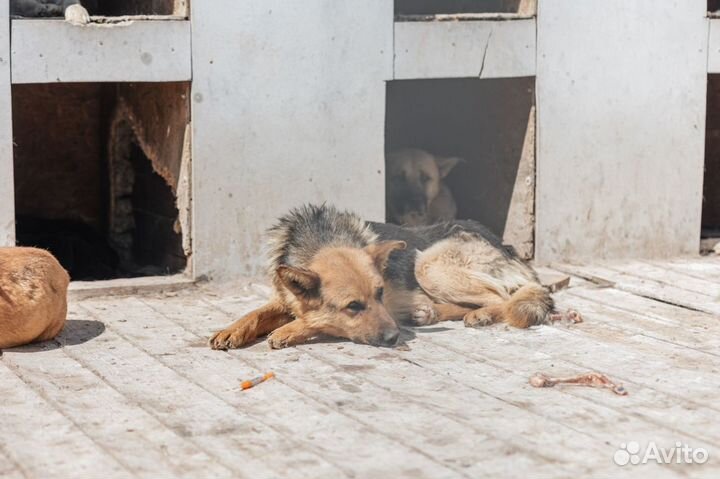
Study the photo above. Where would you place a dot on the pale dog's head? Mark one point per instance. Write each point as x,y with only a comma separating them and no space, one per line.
413,180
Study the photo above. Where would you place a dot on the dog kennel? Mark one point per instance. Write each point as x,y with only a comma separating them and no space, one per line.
576,131
98,173
100,120
490,125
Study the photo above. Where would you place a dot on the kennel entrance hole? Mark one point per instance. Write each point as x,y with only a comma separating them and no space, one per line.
710,233
74,145
137,7
490,124
449,7
144,227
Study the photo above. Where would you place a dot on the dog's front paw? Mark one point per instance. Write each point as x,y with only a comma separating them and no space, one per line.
478,318
280,339
77,15
231,338
424,314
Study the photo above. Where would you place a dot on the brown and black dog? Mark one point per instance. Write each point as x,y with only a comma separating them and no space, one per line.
33,296
337,275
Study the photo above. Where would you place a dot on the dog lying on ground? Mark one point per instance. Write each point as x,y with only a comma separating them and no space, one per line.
33,296
72,10
414,189
337,275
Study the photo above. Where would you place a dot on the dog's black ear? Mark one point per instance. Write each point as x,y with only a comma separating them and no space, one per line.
380,252
302,282
445,165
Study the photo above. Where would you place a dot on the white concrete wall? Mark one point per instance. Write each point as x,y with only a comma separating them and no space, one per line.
48,51
621,89
7,192
483,49
288,107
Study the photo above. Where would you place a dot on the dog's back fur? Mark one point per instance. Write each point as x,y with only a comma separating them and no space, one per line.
298,236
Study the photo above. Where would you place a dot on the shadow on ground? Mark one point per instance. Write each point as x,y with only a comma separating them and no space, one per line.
76,331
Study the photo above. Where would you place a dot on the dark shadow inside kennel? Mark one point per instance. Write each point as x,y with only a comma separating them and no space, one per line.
136,7
115,7
435,7
713,6
710,233
97,171
490,124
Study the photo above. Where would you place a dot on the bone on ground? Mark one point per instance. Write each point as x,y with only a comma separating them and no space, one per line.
595,380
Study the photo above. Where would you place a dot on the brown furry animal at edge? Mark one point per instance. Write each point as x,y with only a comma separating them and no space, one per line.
337,275
33,296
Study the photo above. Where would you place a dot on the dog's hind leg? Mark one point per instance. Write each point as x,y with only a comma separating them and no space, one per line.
431,313
416,308
247,329
484,316
469,272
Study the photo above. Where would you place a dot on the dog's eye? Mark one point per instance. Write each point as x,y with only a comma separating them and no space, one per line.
355,307
424,178
379,295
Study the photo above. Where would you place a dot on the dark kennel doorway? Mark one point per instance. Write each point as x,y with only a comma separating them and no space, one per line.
101,176
710,233
137,7
488,123
449,7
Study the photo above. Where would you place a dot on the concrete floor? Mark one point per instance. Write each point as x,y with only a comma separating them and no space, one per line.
130,390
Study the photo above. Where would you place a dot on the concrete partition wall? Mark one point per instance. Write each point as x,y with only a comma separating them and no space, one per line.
288,107
621,91
7,210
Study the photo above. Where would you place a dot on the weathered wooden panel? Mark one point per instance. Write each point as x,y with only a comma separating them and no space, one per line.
62,176
621,121
46,51
7,209
288,107
484,49
109,397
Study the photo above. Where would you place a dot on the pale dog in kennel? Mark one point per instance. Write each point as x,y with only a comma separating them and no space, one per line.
72,10
415,192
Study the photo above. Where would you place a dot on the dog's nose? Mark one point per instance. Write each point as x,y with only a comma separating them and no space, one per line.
390,338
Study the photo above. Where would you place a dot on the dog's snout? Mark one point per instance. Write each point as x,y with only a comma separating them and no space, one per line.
390,337
415,203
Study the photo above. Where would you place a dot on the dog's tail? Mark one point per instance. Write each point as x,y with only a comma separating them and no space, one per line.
529,305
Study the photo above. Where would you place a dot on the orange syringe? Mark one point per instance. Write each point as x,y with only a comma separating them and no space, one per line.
254,382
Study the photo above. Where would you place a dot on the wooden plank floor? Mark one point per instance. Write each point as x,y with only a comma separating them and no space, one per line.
129,389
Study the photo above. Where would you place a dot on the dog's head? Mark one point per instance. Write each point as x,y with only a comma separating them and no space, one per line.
413,180
340,293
